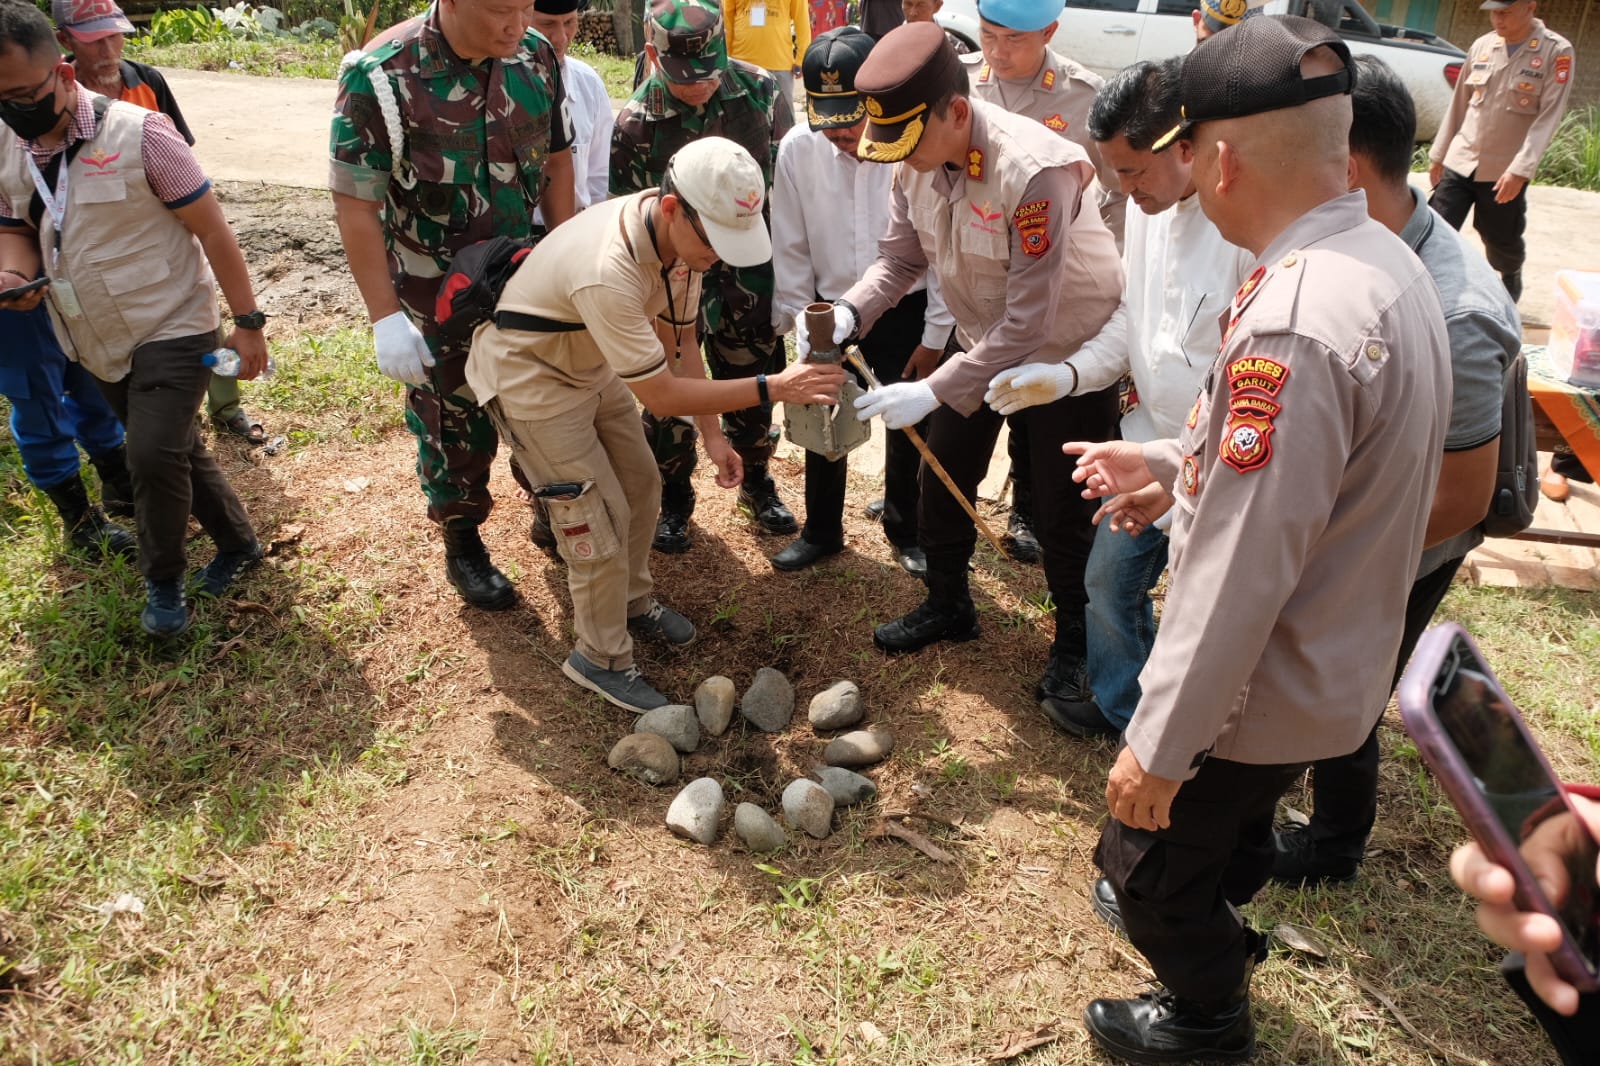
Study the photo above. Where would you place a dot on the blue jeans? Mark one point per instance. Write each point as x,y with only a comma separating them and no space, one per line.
55,403
1120,619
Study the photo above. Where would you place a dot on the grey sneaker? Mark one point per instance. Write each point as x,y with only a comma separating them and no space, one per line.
626,688
663,623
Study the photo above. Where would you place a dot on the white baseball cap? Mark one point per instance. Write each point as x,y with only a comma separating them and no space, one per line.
725,189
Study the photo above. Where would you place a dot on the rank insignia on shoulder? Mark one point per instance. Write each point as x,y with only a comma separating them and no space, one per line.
1534,42
1257,372
1049,79
1056,122
1194,415
1246,441
1248,289
975,164
983,74
1032,220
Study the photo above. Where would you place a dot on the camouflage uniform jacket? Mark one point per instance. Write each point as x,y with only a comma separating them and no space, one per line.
748,110
476,136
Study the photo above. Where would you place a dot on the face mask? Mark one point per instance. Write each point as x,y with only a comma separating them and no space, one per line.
33,119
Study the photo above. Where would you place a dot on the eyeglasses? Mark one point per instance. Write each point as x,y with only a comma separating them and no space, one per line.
694,222
29,95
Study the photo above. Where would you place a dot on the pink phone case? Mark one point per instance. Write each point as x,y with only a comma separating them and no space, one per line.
1439,752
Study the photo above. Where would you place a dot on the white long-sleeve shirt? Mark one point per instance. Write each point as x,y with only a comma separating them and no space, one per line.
1181,275
828,211
592,118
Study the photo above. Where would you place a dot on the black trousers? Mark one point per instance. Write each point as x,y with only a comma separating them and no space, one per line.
1061,515
1344,791
1180,887
174,475
1500,225
887,348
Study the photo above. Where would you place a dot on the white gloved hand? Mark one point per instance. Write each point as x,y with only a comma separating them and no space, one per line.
402,353
844,324
905,403
1030,386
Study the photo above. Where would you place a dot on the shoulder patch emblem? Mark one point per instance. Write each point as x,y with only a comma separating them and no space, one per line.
975,164
1049,80
1032,221
1563,69
1257,372
1250,403
1191,475
1246,441
1194,415
1056,122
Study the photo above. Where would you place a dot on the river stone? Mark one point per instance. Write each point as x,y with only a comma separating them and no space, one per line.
676,722
769,701
713,704
863,747
645,756
697,810
808,806
846,786
757,828
836,707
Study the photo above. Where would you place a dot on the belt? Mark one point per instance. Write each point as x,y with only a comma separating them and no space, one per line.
534,323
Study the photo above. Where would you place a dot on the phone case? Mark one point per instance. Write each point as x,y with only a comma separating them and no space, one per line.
1416,711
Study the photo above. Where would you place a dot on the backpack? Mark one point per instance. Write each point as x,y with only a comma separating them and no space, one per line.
1516,483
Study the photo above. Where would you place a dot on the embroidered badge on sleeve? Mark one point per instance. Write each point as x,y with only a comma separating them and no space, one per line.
1033,226
1246,441
1563,69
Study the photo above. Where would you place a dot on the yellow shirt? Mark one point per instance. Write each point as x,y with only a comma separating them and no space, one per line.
772,34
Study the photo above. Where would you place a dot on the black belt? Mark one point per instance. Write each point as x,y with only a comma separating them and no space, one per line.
534,323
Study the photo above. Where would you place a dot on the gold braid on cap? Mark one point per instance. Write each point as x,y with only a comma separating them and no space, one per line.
897,149
848,119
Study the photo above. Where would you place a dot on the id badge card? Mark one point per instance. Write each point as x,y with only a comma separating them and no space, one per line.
758,14
65,300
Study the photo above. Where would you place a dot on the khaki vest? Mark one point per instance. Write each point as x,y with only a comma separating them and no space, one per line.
972,261
138,274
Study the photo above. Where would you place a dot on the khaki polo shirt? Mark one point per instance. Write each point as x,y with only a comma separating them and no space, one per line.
600,268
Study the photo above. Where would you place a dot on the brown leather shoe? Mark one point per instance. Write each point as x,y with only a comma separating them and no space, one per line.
1554,487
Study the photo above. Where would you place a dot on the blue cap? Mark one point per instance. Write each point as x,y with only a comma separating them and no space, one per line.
1024,16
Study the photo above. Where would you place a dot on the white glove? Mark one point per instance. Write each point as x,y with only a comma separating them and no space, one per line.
844,324
905,403
1030,386
402,353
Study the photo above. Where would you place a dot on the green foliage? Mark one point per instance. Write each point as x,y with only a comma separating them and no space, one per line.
183,26
1573,158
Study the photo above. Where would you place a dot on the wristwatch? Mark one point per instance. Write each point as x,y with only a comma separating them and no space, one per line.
254,320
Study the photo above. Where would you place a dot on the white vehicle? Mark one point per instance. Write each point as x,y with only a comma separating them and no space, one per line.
1107,35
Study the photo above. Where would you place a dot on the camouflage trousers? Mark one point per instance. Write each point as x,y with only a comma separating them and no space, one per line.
456,441
672,440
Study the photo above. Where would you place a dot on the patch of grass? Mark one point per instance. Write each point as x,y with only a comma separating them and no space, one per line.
1573,158
330,388
615,71
277,57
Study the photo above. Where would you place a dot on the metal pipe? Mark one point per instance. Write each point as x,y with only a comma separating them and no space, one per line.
819,331
853,354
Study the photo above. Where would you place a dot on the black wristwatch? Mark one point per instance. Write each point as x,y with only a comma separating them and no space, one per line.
254,320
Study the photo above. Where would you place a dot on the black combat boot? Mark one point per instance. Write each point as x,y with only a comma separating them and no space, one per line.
672,527
1019,541
947,614
1063,692
1160,1026
467,565
759,500
116,484
87,527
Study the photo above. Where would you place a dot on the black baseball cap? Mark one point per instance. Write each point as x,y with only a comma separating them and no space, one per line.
1254,67
829,72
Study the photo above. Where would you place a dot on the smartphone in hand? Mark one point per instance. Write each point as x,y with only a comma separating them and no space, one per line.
7,295
1475,742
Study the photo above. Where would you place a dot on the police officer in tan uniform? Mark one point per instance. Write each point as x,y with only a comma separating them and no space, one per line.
1505,110
1302,482
994,205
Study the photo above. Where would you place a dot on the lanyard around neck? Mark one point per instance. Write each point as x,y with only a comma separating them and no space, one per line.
54,202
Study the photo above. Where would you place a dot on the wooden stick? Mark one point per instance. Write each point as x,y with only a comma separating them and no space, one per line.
853,354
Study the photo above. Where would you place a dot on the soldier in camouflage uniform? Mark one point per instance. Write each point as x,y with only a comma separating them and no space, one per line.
473,97
694,90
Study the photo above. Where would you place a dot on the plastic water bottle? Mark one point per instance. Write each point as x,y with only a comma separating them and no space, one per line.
224,362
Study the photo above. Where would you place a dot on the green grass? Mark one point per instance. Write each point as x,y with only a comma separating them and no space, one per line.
1573,158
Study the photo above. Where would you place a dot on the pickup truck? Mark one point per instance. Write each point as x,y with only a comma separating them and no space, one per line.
1107,35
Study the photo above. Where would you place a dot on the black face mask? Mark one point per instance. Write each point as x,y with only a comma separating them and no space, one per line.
33,119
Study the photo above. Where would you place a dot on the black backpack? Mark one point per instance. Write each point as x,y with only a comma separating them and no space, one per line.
1516,483
471,288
